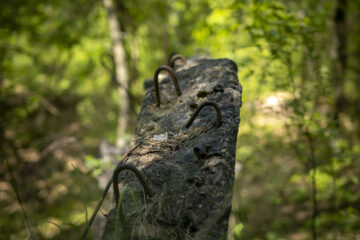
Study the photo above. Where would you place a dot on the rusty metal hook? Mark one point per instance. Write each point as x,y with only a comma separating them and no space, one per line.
156,82
116,190
176,57
218,113
138,175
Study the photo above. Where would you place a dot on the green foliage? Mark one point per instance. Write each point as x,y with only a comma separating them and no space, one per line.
57,101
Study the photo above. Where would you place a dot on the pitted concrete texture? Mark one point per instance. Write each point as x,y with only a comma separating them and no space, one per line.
190,171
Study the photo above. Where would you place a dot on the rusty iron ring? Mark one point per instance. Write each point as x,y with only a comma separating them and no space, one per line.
156,82
176,57
218,113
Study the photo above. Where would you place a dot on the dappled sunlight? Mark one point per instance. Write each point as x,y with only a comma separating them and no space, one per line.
50,228
297,156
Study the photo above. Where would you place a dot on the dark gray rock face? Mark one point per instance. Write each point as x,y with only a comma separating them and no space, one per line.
190,171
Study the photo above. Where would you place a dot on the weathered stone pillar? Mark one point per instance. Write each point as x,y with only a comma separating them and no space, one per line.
190,171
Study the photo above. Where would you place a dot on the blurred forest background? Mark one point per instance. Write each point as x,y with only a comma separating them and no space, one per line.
298,150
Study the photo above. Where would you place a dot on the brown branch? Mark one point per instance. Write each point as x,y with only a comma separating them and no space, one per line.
57,144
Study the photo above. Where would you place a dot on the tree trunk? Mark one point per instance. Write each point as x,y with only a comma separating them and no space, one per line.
165,45
122,76
341,58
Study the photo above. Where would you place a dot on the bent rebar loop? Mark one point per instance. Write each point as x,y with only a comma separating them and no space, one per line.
117,171
176,57
156,82
138,175
218,113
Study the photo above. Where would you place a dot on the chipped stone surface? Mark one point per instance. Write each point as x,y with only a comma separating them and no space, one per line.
160,137
191,171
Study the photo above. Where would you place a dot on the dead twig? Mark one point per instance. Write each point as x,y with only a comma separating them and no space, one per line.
16,190
122,161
